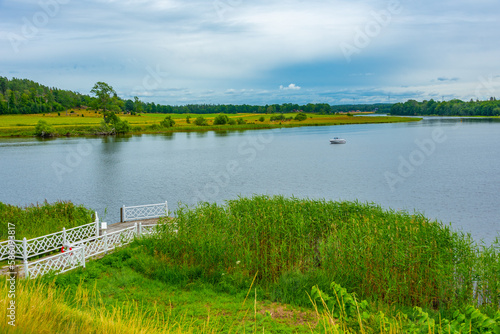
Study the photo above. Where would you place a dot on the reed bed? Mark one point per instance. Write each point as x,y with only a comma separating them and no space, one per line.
383,255
40,219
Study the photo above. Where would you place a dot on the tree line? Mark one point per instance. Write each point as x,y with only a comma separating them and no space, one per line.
453,107
23,96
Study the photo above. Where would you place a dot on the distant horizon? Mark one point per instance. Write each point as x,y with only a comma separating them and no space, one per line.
303,103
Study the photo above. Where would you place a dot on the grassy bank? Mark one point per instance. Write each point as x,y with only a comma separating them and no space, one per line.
40,219
277,265
393,257
85,122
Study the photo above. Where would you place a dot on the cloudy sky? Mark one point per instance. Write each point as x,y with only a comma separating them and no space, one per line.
256,51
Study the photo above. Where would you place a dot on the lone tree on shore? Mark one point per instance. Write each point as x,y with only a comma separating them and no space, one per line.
106,100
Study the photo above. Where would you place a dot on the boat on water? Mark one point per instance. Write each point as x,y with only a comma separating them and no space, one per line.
337,140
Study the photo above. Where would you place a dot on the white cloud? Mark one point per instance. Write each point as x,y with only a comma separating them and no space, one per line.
291,86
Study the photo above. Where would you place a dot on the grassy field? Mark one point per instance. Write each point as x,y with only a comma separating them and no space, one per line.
85,122
276,265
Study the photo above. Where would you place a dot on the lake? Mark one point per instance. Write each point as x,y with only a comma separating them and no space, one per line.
446,168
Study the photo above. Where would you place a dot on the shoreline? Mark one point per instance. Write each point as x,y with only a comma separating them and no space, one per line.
91,130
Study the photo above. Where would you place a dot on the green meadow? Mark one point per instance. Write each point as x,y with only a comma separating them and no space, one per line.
80,122
276,265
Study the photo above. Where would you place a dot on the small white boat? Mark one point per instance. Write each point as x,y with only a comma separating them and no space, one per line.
337,140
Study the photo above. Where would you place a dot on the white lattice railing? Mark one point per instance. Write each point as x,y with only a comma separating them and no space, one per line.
25,249
84,242
4,250
129,213
108,241
77,253
58,263
148,229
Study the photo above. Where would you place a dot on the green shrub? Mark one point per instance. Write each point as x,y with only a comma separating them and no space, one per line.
154,127
241,121
201,121
221,119
168,122
300,116
122,127
279,117
44,130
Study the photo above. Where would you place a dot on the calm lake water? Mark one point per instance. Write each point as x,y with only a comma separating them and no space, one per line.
448,169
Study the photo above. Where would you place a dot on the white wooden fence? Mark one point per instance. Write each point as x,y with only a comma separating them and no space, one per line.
80,242
27,248
76,254
130,213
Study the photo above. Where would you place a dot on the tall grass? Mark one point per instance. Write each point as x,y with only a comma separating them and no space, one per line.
36,220
42,308
387,256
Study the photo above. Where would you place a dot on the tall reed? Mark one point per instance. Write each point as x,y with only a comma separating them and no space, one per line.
36,220
394,257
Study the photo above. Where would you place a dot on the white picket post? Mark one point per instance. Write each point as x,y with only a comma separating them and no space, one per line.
96,224
65,240
25,258
166,208
139,231
105,242
124,214
83,255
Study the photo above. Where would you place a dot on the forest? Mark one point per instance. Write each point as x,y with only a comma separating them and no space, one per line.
453,107
23,96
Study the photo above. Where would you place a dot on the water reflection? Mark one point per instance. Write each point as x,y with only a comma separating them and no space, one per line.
201,134
221,133
455,180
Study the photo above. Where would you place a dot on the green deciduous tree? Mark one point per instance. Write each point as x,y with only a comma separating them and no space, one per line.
106,100
137,105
